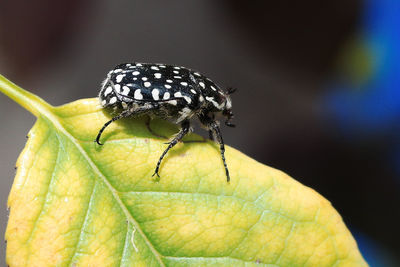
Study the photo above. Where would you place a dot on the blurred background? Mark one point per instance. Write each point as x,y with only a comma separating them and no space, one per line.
318,86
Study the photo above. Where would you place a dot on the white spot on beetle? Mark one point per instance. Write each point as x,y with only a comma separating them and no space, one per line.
177,77
117,87
138,94
212,87
135,73
202,85
187,99
155,93
157,75
176,72
154,68
147,84
184,83
167,86
107,91
144,78
113,100
126,90
211,99
119,78
166,95
169,81
193,91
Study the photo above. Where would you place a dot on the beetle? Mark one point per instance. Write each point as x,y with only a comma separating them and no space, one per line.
170,92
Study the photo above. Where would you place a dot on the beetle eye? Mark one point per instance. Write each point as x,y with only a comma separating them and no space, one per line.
228,123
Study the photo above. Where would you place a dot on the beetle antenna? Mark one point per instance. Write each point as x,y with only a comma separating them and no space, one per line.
231,90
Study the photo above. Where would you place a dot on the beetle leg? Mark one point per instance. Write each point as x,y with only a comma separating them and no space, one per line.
126,113
214,129
123,114
183,131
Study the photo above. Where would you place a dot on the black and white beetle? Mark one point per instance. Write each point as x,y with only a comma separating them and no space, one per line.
169,92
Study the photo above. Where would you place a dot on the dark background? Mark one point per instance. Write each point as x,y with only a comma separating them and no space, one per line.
280,55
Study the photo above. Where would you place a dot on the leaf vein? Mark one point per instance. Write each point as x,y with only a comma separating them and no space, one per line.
126,245
84,223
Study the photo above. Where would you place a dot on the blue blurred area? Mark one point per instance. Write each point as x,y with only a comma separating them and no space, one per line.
363,100
374,254
371,106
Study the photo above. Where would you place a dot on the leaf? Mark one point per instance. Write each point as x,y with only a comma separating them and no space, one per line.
74,203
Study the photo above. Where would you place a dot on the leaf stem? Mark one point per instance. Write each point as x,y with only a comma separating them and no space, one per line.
27,100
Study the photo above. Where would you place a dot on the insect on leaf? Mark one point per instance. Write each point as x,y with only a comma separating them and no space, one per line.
74,203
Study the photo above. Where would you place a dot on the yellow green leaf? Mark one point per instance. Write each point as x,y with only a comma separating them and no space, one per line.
74,203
